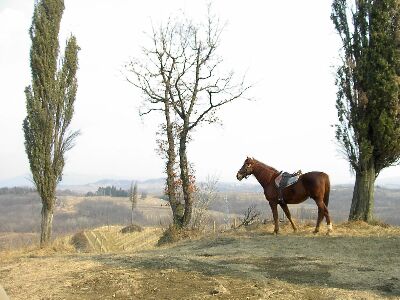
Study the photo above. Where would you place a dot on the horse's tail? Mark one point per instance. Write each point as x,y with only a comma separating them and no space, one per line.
327,191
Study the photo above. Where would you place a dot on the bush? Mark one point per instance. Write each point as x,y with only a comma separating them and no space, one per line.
174,234
132,228
79,241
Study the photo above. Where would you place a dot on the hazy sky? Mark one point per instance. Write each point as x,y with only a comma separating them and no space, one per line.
287,48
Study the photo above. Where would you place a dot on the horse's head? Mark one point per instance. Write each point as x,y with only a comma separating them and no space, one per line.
246,170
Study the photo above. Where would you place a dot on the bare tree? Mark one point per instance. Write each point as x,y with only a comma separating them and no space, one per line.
251,216
166,142
205,195
181,76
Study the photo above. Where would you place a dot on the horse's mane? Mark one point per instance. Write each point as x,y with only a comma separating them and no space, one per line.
265,166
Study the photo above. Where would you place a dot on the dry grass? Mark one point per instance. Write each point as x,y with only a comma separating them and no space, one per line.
346,229
111,239
359,261
360,228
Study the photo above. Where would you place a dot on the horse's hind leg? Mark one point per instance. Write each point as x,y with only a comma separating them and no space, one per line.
323,212
319,219
287,213
328,220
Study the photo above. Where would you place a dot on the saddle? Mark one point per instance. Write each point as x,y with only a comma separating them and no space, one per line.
285,179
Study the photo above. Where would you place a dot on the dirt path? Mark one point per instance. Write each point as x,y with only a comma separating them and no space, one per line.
240,265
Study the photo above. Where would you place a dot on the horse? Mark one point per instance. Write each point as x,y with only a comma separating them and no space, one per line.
313,185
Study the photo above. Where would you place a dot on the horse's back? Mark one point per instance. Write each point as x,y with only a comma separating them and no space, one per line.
316,183
314,176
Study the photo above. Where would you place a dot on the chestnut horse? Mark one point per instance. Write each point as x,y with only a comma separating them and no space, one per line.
312,184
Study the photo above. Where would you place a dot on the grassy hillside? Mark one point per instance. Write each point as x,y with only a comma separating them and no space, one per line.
21,214
110,239
20,218
358,261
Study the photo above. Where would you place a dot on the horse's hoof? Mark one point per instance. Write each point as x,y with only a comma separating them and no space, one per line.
315,231
295,230
329,232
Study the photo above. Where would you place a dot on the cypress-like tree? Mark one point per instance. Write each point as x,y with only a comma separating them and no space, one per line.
368,84
50,105
133,197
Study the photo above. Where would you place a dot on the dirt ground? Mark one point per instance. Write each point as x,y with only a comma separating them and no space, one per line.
357,262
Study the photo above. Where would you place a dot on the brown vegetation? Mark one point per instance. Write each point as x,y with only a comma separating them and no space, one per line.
237,264
173,234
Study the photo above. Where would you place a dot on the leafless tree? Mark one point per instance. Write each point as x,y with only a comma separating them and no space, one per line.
250,216
181,75
206,193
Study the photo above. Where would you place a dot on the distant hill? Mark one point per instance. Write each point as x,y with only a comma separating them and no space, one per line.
389,183
154,186
86,183
20,181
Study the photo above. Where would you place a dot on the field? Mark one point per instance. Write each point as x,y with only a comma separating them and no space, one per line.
20,221
358,261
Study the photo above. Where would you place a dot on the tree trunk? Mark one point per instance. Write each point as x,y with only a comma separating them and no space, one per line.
185,177
177,214
362,204
46,225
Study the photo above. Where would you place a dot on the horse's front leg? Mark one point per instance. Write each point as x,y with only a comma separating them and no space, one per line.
274,208
288,215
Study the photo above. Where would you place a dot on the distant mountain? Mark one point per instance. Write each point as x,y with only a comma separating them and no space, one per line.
389,183
155,186
21,181
85,183
238,187
67,180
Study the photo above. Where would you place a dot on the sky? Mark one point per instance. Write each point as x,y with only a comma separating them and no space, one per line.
287,49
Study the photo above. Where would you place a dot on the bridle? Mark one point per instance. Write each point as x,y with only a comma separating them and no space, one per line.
247,175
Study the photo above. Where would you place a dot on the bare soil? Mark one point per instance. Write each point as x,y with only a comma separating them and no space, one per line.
358,261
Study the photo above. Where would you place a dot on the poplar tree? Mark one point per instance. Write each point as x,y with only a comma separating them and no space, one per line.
49,105
368,85
133,198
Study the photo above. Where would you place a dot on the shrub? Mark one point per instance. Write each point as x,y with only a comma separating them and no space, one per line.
174,234
79,241
132,228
